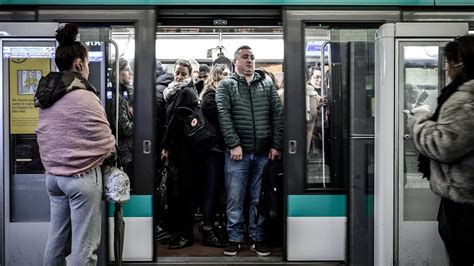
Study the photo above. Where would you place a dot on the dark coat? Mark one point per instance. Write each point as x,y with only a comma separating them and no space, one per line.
209,109
161,83
125,125
185,97
250,116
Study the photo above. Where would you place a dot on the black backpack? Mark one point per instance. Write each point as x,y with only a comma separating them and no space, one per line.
270,204
200,133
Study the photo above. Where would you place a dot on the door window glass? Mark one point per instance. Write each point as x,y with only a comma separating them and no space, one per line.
339,99
24,63
125,39
422,76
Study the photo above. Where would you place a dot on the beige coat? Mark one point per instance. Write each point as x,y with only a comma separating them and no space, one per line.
449,143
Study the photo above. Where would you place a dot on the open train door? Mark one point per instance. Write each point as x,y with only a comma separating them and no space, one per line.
409,66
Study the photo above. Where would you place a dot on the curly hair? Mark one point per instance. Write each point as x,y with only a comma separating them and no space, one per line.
214,77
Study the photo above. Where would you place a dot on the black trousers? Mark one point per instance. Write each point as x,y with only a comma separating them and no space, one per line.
181,192
456,228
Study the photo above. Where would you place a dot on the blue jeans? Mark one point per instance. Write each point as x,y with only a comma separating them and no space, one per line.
75,218
238,176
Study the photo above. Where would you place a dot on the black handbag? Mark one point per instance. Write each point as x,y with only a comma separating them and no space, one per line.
199,132
162,187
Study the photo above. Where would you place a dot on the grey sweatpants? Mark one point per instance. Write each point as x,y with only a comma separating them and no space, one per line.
75,218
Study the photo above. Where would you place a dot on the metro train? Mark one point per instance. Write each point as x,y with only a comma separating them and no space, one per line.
352,197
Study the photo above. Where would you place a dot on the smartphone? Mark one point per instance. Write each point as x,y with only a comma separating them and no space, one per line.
421,98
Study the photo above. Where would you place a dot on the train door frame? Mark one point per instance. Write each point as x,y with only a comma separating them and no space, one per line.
390,149
295,157
143,20
204,16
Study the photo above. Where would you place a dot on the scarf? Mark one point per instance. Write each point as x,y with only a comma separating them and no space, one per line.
446,92
173,87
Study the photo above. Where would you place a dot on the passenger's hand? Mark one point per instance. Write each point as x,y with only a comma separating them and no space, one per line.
323,102
421,109
164,154
236,153
274,154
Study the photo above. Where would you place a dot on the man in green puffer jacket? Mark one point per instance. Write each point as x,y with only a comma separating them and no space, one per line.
250,117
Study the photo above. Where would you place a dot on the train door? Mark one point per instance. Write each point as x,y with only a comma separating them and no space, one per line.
329,153
210,40
26,215
27,54
409,72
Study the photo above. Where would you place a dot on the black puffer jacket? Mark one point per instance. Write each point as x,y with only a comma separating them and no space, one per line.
56,84
250,115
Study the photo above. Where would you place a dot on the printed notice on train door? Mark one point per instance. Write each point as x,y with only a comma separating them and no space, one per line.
24,75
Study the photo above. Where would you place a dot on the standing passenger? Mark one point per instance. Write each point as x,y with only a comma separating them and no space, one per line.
203,75
125,116
446,144
177,149
74,138
250,116
162,80
213,161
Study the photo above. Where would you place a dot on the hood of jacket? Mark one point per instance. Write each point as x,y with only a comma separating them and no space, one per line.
56,84
164,79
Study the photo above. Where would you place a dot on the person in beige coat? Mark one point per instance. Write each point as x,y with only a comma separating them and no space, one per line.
446,143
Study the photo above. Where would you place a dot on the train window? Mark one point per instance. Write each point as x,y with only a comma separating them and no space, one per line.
339,100
422,76
24,63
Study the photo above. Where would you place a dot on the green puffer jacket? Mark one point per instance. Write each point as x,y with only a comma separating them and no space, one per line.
250,115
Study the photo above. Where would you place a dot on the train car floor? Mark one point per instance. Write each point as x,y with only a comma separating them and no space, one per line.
198,250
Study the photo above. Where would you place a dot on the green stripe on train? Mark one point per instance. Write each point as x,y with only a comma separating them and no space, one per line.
137,206
324,205
317,205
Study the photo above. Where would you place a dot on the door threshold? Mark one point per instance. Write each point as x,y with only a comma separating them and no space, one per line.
220,260
238,260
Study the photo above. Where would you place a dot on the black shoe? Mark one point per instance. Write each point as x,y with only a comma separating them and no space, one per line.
170,239
161,234
232,248
260,248
209,239
180,242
